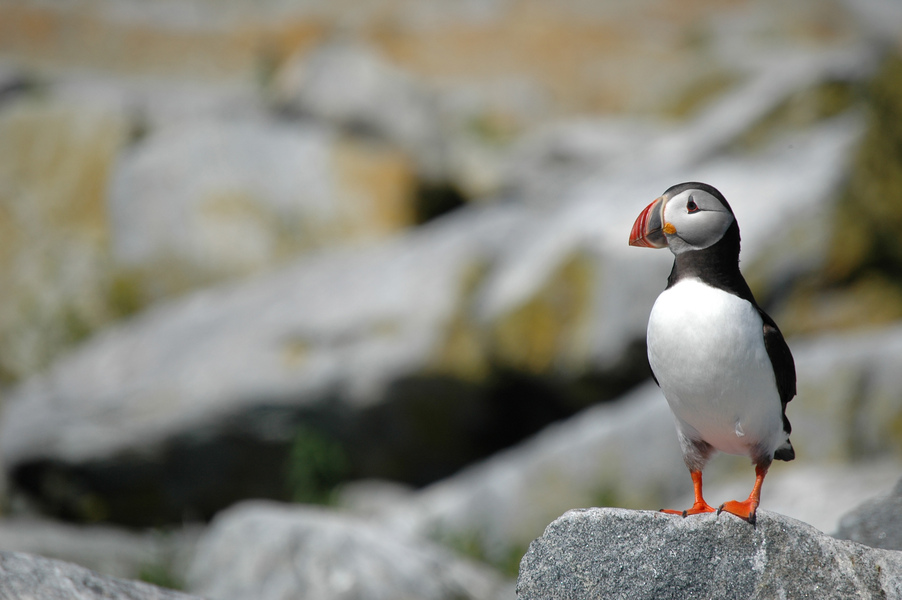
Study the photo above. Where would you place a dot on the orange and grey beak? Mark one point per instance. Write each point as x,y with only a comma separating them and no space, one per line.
648,230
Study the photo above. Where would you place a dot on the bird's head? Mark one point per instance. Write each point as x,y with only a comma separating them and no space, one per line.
688,216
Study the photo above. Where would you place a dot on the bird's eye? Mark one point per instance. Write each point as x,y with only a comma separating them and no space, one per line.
691,206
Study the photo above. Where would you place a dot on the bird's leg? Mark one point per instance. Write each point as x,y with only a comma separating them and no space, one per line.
700,506
746,510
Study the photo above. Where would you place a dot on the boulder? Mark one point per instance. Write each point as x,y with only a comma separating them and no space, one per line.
28,576
269,551
317,342
152,104
848,409
561,155
217,198
611,553
876,522
61,138
857,284
371,497
348,84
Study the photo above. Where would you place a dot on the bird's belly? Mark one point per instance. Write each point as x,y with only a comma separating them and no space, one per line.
706,348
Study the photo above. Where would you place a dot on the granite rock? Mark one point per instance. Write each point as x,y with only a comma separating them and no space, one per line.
27,576
619,554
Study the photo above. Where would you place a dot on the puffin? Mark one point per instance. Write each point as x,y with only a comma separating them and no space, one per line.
721,362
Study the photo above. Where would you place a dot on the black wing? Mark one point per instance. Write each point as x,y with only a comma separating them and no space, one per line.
781,359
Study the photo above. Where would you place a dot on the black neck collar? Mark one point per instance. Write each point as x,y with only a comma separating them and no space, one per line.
717,266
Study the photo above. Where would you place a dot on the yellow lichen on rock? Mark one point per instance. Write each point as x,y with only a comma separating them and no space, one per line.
375,189
462,350
54,262
547,331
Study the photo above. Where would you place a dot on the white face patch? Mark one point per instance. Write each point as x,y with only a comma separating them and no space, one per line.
696,220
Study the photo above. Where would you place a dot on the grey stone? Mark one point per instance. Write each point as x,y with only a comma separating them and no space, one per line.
221,197
561,156
28,577
269,551
153,104
880,19
372,497
876,522
620,554
772,83
171,192
347,83
341,327
848,403
110,551
80,125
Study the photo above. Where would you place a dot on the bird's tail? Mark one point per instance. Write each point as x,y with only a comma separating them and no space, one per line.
785,452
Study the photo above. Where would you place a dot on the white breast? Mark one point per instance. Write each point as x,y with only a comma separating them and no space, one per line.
706,348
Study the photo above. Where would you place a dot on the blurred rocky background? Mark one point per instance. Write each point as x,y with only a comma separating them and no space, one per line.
334,299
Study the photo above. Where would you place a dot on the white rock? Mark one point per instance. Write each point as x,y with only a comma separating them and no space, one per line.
573,154
269,551
347,83
218,197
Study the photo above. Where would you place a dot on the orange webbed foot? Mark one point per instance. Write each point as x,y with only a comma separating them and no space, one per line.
747,509
700,505
744,510
697,509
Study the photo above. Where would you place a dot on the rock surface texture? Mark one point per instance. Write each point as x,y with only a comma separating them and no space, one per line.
614,553
24,576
